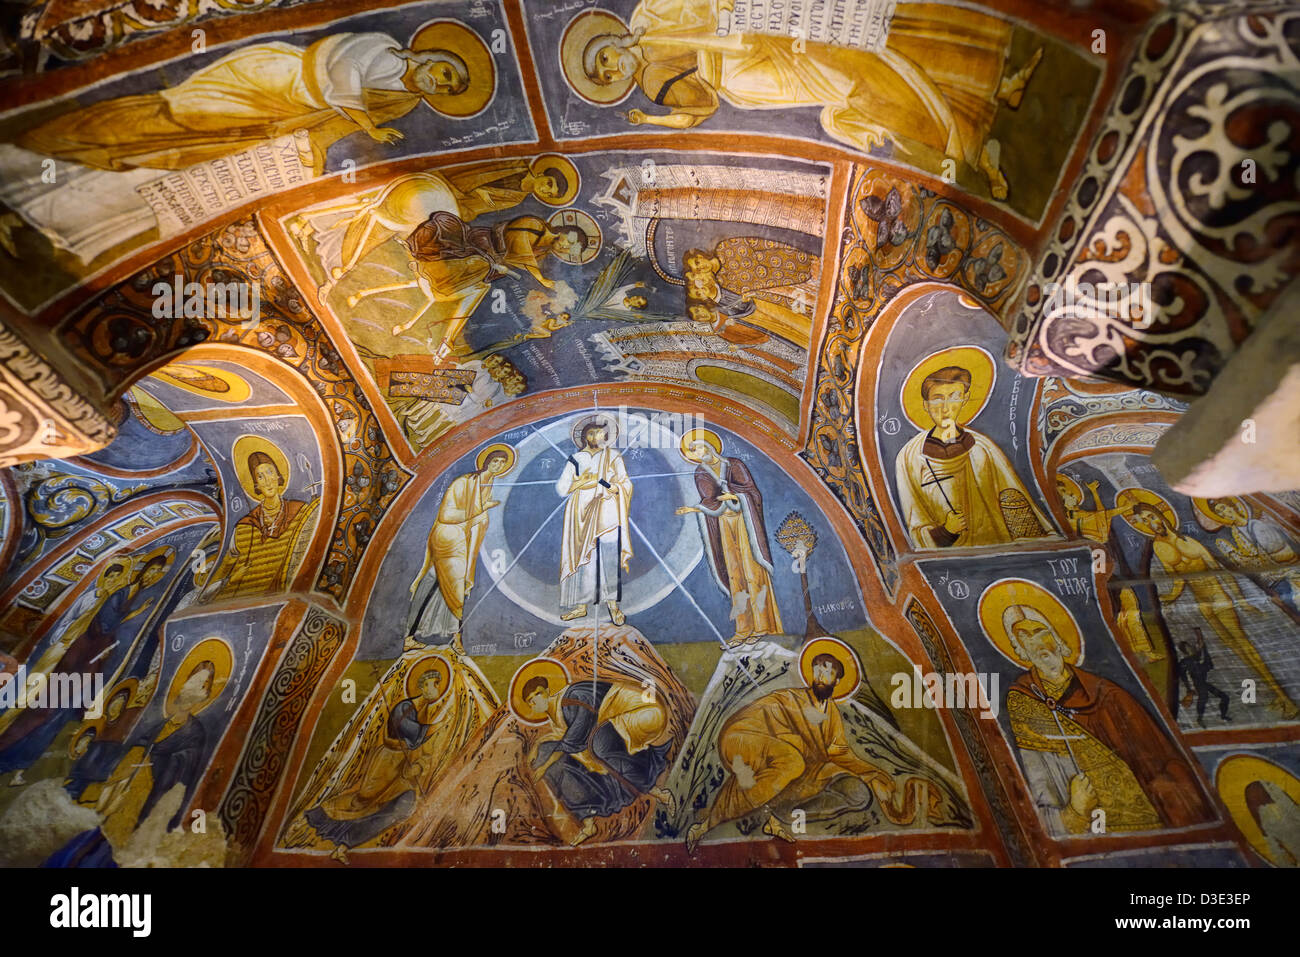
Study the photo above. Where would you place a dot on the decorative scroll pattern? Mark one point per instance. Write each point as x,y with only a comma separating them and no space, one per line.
1064,406
119,335
312,648
41,416
1191,187
897,234
1004,813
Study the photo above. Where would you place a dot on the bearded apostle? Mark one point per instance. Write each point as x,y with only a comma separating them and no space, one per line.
608,746
451,555
788,750
955,486
597,542
730,514
1086,744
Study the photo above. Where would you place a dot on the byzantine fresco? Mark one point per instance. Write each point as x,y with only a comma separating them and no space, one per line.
952,427
1204,588
152,155
465,288
608,613
864,78
1095,750
603,424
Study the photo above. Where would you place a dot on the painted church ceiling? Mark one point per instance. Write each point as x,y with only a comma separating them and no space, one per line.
464,428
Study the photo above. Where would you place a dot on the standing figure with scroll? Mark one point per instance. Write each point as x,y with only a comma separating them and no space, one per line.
451,556
597,541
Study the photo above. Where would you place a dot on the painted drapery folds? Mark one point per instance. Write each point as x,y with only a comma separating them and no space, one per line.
506,432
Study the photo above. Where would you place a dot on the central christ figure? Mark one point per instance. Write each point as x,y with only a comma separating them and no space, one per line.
597,540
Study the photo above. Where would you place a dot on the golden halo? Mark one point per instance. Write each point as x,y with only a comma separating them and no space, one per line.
85,729
556,675
562,165
708,435
1231,779
129,685
244,447
600,418
1129,497
481,459
153,414
581,30
166,552
455,37
1202,505
423,667
212,649
207,381
848,684
976,361
576,218
1069,482
1001,595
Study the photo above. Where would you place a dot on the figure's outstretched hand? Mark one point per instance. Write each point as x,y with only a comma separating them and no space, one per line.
686,510
385,134
635,117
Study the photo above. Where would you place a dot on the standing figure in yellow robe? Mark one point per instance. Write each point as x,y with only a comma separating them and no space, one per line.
342,84
730,514
788,749
938,80
1190,569
956,487
451,556
597,543
270,540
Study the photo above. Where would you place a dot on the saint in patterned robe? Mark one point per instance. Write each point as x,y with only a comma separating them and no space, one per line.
265,552
1098,729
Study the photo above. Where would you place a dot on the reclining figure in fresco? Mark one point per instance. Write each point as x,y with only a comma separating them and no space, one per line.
601,756
787,752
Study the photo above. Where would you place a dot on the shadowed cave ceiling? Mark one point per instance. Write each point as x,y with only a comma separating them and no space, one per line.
519,432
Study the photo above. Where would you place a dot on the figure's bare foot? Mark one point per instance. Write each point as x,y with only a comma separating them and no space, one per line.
665,797
774,828
340,854
997,182
411,644
586,834
456,645
17,780
579,612
693,835
615,613
1012,88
